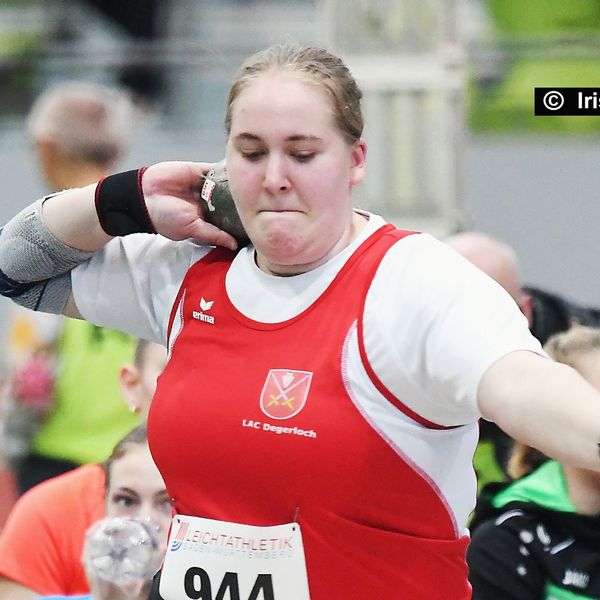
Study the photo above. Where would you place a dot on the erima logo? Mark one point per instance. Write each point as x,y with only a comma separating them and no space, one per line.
204,306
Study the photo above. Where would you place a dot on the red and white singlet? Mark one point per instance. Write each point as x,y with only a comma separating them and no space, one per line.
256,423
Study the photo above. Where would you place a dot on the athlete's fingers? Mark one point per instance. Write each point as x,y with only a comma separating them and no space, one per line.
206,233
177,178
200,169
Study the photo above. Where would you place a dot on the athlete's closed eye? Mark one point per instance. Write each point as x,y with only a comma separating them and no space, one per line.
253,155
303,157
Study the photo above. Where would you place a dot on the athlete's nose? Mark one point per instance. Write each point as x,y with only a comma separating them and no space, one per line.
276,179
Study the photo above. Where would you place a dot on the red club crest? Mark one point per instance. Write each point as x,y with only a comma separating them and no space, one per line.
285,392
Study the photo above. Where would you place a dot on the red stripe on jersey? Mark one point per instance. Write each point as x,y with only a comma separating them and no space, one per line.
381,387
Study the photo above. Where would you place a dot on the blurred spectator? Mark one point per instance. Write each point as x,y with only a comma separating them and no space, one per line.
546,314
80,130
539,537
61,368
42,543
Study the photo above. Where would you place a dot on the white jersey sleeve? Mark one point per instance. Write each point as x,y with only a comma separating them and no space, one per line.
132,283
433,324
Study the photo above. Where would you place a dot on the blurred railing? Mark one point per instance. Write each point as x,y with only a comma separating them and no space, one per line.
407,57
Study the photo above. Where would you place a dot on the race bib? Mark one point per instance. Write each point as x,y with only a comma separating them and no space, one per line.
215,560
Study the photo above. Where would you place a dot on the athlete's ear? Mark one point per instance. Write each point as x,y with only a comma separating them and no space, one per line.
358,162
129,379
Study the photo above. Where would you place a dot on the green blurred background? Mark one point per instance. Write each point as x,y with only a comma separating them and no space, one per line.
534,43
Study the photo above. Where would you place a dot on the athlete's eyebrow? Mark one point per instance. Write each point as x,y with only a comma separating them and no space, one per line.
303,138
251,137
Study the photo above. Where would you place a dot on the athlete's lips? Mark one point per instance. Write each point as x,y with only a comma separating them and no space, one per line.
280,210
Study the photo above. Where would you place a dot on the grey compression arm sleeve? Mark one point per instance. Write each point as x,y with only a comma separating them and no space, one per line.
34,265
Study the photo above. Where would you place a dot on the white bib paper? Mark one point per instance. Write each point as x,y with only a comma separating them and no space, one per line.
210,560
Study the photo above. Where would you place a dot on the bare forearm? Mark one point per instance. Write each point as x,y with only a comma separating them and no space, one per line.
72,218
163,199
545,405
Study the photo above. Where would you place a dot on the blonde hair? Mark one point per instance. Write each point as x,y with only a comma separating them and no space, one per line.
319,67
566,348
85,121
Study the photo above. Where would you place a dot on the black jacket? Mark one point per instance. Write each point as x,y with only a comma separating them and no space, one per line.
553,314
529,544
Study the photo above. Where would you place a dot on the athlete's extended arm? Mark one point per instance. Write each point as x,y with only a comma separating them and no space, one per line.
41,245
544,404
171,194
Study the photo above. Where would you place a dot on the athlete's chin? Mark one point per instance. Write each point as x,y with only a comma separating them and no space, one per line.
277,232
281,247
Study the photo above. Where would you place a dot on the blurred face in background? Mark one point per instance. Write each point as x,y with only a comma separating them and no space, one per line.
135,489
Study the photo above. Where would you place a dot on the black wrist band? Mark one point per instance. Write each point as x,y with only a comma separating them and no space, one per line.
120,204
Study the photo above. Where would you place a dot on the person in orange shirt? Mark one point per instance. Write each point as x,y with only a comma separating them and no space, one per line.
42,543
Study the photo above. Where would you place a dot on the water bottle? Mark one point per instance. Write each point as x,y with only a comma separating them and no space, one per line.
122,551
